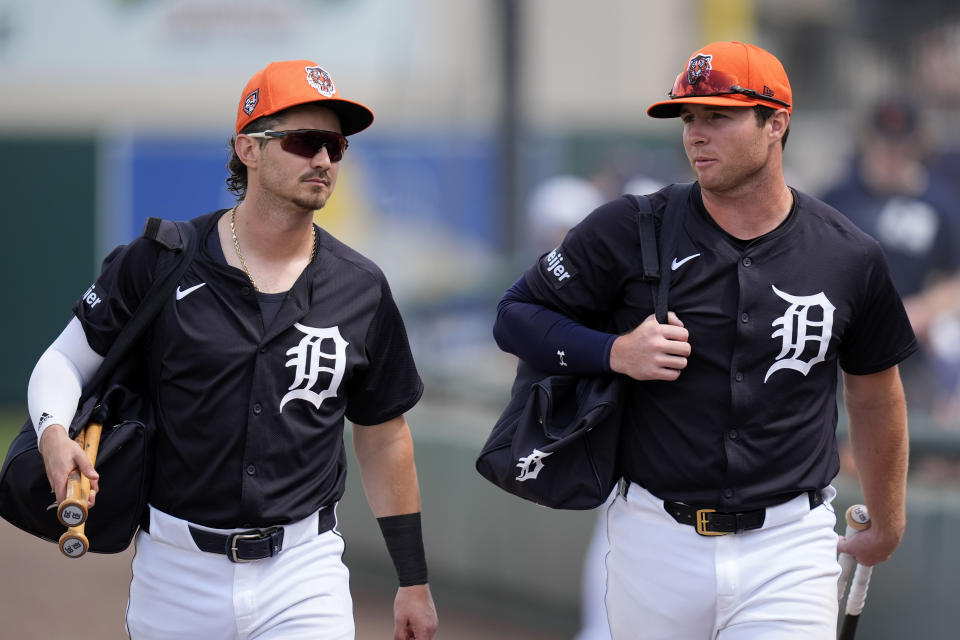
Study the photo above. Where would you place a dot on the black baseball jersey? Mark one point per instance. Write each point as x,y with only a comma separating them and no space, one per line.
751,420
250,415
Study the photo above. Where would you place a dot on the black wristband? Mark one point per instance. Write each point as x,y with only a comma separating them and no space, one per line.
404,539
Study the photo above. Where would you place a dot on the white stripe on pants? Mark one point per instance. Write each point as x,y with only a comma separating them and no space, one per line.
178,591
665,581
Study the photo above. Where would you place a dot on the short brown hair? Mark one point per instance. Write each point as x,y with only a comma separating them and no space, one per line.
765,113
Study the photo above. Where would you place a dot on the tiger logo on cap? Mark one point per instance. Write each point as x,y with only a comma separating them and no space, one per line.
321,81
699,68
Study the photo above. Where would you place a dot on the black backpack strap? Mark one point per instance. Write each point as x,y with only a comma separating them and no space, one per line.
180,238
677,199
648,237
165,232
656,255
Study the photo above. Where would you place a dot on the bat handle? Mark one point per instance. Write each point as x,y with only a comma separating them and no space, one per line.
858,519
847,562
91,441
73,510
858,590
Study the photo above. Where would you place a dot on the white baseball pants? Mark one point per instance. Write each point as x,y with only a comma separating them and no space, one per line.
178,591
665,581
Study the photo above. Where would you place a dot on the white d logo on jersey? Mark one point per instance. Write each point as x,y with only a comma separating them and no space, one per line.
306,363
796,330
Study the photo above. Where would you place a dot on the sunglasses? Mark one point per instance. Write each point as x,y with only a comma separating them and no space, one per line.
307,142
684,88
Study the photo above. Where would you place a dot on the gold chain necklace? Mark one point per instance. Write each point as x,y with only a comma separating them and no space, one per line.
236,246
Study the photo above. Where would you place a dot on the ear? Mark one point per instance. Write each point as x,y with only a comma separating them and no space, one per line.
248,150
778,124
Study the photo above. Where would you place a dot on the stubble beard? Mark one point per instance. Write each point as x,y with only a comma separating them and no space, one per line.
736,175
313,203
307,197
316,197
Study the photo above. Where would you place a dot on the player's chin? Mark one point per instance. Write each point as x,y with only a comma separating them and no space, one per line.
715,181
314,200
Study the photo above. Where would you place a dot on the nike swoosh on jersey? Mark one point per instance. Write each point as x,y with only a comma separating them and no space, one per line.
183,294
676,264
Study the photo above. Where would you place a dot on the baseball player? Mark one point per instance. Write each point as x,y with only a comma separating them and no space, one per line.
276,332
889,192
723,527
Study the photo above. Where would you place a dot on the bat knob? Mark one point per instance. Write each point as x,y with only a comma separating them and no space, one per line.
73,544
858,517
71,514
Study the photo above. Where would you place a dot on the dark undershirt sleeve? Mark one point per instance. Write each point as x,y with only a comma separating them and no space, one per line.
548,340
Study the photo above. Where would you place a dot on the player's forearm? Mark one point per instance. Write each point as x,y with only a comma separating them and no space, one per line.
547,339
385,456
879,441
387,469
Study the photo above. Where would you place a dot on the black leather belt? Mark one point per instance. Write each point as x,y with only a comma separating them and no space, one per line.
253,544
710,522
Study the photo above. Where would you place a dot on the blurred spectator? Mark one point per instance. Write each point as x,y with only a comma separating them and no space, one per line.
642,185
557,204
890,194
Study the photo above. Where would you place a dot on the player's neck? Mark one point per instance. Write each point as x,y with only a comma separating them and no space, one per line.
272,232
751,210
275,247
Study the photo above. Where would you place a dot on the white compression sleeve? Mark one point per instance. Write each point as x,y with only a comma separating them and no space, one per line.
57,379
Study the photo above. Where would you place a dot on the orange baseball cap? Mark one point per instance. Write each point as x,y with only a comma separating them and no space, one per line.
281,85
730,74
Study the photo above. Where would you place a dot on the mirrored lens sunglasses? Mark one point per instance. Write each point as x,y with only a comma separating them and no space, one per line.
307,142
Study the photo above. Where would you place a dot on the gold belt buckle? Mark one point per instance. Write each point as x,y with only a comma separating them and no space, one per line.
702,523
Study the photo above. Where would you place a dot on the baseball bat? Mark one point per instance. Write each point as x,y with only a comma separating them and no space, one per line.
855,516
74,543
858,518
73,510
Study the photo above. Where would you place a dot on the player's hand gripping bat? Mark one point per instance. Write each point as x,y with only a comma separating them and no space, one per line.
73,509
858,519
